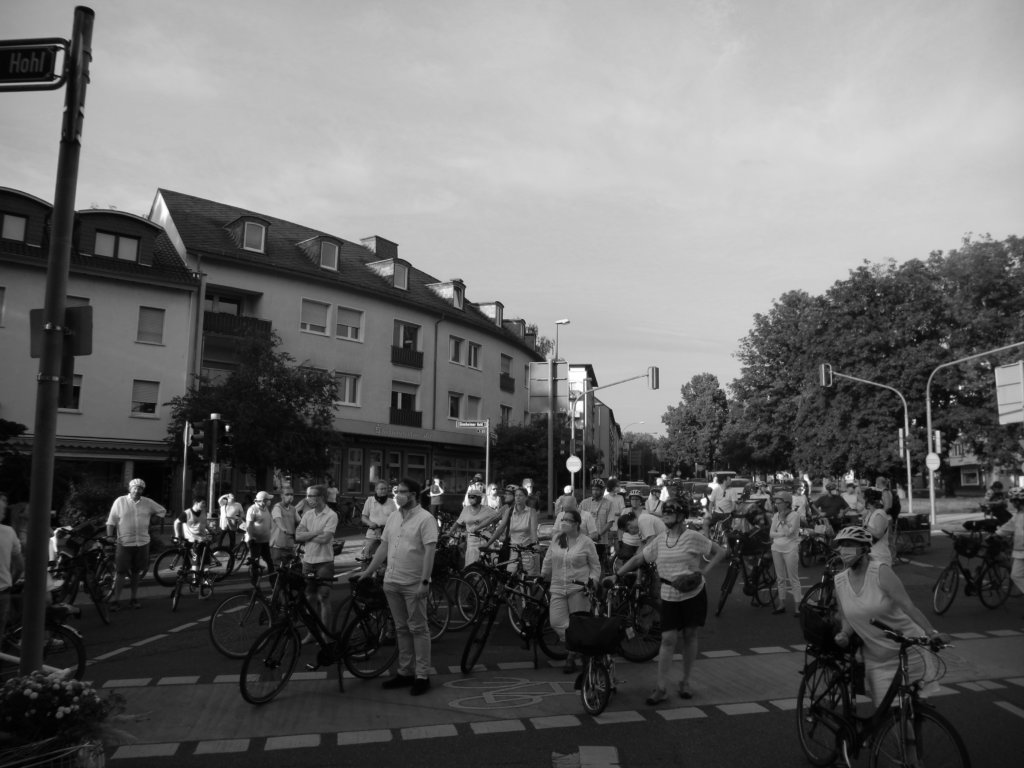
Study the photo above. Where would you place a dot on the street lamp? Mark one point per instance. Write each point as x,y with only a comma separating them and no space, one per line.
629,471
563,321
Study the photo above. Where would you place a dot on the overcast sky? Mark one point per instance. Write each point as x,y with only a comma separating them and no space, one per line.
655,171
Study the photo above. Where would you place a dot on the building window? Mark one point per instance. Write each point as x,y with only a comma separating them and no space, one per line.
416,467
473,355
117,246
348,388
457,296
506,365
13,227
329,255
354,471
151,325
347,323
407,336
401,276
254,236
374,467
454,405
314,316
472,407
394,466
72,403
526,376
223,305
403,396
506,415
145,395
455,349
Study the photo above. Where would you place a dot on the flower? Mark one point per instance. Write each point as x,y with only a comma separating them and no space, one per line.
41,707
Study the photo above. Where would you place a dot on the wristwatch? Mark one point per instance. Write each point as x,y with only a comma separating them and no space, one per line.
426,582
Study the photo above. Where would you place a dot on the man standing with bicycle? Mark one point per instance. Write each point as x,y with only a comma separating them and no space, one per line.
129,520
408,544
316,531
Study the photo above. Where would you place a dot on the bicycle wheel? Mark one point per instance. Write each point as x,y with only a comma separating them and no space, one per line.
477,638
438,610
369,645
63,649
821,690
165,568
933,742
518,606
595,686
767,591
643,631
994,584
547,639
239,555
237,622
269,664
341,616
465,603
222,562
480,578
806,553
176,593
727,584
68,591
106,577
945,588
98,600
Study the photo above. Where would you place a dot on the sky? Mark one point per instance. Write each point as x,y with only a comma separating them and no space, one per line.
657,171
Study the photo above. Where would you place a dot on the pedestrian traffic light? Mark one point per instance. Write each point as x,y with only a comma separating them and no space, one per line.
226,441
653,377
198,440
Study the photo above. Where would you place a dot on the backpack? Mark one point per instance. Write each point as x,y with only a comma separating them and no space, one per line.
895,509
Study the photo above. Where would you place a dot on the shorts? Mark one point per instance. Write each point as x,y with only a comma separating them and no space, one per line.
321,571
625,551
132,559
684,614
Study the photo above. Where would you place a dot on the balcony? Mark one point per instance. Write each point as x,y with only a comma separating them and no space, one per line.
410,358
506,382
403,418
226,324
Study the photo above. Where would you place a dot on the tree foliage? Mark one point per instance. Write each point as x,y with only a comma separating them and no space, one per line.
695,425
280,414
15,466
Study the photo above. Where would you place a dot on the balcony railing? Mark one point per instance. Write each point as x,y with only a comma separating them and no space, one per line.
226,324
406,418
407,357
506,382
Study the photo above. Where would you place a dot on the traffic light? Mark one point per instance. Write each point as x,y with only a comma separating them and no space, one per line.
938,441
198,438
226,441
653,377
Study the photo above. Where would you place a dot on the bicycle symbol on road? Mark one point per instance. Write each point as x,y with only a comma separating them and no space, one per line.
506,692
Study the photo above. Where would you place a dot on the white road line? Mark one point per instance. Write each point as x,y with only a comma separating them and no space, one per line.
497,726
1004,632
745,708
599,757
555,721
428,732
363,737
786,705
148,640
136,751
221,746
770,649
719,654
183,626
1012,709
137,682
294,741
682,713
182,680
110,654
626,716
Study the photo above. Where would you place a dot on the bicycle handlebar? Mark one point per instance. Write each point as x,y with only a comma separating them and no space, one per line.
905,640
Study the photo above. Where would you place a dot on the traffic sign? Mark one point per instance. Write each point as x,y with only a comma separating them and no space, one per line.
932,461
477,424
573,464
27,63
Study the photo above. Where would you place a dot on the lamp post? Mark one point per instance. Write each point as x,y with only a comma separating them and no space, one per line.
629,470
552,410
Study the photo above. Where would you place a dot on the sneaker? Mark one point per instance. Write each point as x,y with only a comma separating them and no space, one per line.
657,696
399,681
420,686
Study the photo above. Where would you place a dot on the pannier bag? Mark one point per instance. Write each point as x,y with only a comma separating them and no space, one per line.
594,635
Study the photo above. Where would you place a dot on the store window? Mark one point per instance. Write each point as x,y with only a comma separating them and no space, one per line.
354,471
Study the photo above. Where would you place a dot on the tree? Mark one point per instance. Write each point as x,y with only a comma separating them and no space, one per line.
543,344
695,425
281,415
15,466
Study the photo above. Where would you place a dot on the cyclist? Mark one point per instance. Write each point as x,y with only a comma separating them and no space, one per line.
376,511
1015,525
571,558
678,552
192,527
475,517
869,589
599,510
832,506
520,521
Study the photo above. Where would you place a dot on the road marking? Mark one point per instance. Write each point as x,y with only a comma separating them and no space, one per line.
599,757
183,680
682,713
106,656
555,721
496,726
222,746
183,626
1016,681
137,682
1004,632
507,665
626,716
228,678
293,741
363,737
786,705
316,674
1013,710
148,640
746,708
967,635
428,732
982,685
504,692
770,649
145,750
719,654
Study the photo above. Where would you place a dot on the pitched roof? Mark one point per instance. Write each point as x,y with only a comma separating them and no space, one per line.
203,228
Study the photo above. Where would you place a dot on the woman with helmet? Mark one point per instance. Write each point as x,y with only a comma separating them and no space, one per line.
684,601
520,521
869,589
1015,526
876,521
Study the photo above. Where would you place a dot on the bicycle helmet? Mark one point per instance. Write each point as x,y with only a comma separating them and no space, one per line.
511,488
673,507
597,482
636,493
853,534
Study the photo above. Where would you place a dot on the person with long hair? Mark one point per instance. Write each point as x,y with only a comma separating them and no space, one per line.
520,523
678,552
571,558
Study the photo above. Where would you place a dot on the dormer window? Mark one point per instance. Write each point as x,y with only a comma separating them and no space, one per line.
401,276
254,237
329,255
458,294
13,227
117,246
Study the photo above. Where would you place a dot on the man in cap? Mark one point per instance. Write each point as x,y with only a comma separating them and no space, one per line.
129,520
258,526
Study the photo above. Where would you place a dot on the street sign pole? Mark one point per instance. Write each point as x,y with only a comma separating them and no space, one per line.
551,431
44,439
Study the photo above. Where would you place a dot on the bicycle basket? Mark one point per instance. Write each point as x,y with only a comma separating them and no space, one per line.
819,628
594,635
966,546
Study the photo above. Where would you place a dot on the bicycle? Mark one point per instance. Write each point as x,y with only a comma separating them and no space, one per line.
596,636
239,619
196,576
535,626
814,542
759,582
85,562
902,735
485,575
990,580
63,650
167,564
632,600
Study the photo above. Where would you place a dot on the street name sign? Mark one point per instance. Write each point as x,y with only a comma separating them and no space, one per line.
27,63
471,424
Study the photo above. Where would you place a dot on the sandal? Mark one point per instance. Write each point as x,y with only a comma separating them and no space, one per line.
658,695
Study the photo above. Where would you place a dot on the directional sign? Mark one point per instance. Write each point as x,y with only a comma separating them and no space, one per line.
27,64
478,424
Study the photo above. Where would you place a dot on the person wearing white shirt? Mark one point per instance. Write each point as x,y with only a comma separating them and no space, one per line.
316,531
376,511
129,520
